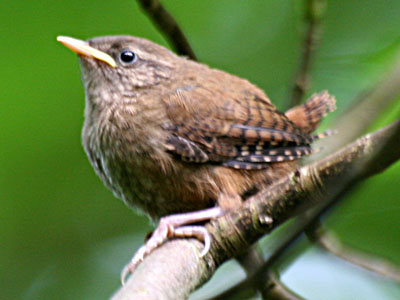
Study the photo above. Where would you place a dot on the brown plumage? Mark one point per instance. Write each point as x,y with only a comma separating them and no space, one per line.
168,135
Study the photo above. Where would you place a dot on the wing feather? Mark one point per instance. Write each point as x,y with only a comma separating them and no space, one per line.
244,131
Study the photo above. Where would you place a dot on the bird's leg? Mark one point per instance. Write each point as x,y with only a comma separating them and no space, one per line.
172,226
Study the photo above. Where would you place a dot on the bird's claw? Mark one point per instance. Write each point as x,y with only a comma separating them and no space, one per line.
173,226
159,237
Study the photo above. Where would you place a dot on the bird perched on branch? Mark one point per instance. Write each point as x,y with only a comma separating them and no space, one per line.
179,140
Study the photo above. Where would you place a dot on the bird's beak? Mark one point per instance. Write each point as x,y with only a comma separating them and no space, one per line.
83,48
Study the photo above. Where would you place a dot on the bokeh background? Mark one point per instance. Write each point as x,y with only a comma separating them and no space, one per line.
64,236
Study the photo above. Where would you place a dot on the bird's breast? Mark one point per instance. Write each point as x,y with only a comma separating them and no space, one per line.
130,158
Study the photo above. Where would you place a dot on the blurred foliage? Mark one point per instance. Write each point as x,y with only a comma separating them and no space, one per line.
62,234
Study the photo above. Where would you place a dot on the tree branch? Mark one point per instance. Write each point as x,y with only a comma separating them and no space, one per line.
175,269
166,23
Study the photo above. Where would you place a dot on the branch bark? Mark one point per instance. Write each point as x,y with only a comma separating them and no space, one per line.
175,269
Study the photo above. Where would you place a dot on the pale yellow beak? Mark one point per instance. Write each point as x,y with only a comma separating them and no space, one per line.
83,48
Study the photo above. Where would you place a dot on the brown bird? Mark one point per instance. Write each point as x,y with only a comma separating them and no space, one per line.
179,140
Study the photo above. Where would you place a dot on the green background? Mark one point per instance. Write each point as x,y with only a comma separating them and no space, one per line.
64,236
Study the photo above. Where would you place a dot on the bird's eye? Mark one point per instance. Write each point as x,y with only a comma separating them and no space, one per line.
127,57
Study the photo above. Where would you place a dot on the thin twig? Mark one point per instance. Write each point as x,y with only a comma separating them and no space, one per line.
329,242
274,289
314,11
233,233
166,23
267,282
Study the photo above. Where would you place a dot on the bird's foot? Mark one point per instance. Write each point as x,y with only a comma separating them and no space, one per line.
170,227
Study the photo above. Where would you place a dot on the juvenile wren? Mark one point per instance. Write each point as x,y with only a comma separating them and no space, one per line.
179,140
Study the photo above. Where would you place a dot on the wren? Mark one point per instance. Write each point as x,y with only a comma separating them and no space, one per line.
181,141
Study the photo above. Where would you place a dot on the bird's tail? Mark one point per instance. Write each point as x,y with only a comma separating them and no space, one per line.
308,115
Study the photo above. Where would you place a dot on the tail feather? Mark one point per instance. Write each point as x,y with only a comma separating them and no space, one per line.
308,115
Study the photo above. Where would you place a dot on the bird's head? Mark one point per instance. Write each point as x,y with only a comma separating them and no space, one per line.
121,66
